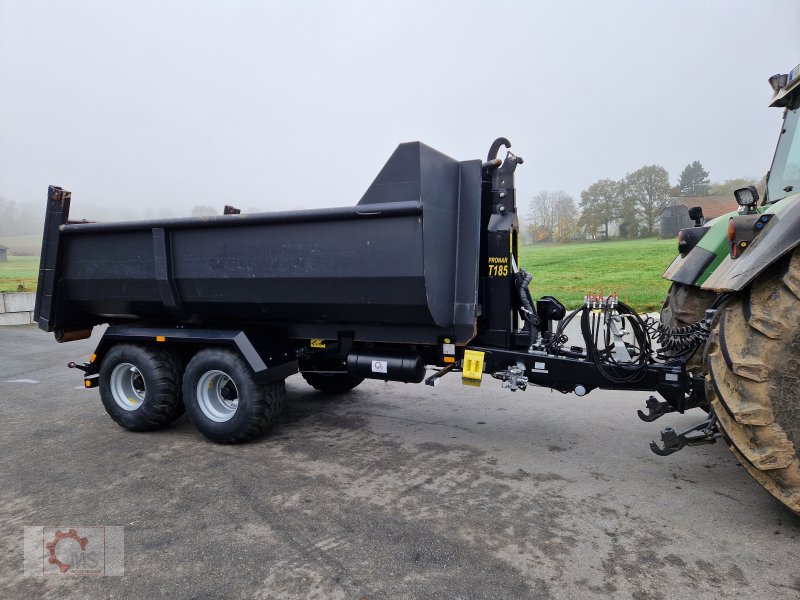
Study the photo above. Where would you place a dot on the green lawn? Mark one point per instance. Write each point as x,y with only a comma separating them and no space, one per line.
630,268
19,274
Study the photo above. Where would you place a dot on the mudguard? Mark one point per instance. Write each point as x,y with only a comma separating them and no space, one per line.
268,360
778,238
694,267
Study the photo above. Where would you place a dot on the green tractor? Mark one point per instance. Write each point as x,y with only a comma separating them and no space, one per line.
744,267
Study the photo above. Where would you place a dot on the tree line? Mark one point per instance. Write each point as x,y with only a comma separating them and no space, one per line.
19,218
633,203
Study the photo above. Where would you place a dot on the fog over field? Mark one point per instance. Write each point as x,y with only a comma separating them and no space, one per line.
151,108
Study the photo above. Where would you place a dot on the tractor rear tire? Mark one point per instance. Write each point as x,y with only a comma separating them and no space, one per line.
331,384
753,381
683,306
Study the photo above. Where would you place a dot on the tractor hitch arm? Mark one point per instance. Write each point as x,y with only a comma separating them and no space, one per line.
702,433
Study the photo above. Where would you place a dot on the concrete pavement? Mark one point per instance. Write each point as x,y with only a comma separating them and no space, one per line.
392,491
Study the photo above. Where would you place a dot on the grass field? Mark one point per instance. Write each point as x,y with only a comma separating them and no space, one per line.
630,268
567,271
19,274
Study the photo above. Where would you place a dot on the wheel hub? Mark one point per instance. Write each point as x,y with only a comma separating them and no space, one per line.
217,396
127,386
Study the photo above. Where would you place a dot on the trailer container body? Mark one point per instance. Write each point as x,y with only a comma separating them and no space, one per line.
400,266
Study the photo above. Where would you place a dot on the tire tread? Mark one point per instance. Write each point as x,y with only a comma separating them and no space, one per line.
264,405
162,406
753,377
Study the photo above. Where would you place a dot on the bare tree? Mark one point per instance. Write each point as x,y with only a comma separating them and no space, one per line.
566,218
552,217
20,218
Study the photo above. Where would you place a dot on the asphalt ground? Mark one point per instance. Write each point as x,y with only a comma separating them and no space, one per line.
392,491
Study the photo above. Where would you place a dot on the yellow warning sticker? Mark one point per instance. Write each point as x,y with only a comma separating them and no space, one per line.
318,343
473,365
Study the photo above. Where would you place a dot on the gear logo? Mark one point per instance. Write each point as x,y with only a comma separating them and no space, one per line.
74,550
51,546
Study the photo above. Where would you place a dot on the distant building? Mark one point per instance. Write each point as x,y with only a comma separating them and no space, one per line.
3,253
676,214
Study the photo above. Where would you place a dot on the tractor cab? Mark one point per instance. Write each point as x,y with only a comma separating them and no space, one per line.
726,254
784,176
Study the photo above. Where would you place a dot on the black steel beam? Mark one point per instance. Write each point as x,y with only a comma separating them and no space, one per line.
363,211
56,215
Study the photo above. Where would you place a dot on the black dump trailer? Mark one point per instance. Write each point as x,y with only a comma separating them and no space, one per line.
210,315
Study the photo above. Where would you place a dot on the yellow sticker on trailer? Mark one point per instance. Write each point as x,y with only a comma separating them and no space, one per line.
318,343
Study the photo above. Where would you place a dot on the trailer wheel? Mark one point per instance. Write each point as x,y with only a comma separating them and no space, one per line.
753,359
223,400
177,366
331,384
140,387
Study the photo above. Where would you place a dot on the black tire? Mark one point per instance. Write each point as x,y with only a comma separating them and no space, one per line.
231,407
753,360
177,367
331,384
145,394
683,306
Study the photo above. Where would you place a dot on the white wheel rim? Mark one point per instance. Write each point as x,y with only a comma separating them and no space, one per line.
127,386
217,396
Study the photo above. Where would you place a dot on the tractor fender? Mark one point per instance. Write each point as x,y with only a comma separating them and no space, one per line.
779,237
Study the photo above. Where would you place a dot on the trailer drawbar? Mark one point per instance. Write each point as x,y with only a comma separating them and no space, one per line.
210,315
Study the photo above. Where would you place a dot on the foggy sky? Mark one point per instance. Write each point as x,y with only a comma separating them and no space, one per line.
284,105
